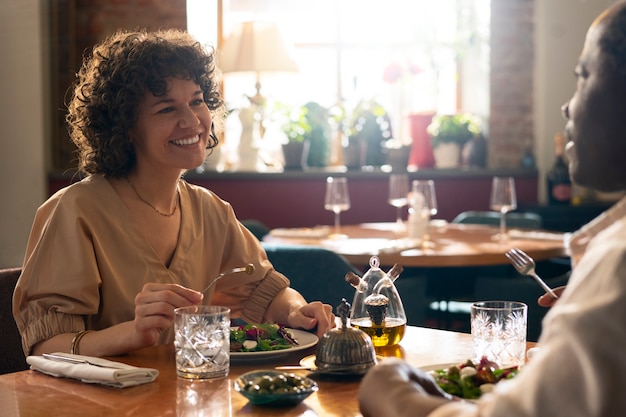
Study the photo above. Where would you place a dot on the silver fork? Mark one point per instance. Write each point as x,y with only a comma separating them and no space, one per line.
525,265
248,269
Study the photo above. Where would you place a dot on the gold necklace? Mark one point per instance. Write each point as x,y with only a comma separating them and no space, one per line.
150,204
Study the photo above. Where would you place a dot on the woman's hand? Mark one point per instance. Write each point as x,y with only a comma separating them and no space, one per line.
395,388
313,314
291,308
546,300
154,310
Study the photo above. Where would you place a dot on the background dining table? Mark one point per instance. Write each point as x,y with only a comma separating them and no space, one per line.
30,393
450,245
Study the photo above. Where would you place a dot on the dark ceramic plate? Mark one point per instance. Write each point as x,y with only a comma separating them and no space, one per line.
269,397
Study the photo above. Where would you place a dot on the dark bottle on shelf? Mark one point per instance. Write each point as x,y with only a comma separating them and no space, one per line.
559,182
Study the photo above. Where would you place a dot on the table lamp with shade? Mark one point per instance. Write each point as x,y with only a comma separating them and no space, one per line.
260,48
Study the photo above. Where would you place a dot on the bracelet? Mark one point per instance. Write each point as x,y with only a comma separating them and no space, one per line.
76,340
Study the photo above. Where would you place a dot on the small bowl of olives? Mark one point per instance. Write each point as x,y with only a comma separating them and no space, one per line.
274,388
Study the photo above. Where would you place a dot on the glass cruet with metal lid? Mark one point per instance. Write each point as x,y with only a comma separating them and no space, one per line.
377,308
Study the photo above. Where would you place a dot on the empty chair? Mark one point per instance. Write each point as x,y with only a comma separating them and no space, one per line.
258,229
12,357
514,219
317,273
459,287
496,283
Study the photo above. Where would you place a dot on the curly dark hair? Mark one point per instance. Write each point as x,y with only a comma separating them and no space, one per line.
115,77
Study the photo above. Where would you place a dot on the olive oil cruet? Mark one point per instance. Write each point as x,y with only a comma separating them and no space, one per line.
377,308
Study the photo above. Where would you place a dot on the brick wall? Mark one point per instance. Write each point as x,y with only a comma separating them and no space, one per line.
512,61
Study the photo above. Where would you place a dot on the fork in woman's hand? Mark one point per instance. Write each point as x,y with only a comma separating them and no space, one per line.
248,269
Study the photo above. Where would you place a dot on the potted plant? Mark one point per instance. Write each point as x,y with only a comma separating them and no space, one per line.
318,135
448,134
308,136
295,127
368,133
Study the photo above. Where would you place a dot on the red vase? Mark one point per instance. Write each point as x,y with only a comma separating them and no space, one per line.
421,150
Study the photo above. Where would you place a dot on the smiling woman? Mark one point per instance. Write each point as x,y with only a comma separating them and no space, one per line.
142,113
118,98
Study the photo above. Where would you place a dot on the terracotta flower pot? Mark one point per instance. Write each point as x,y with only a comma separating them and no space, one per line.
447,155
421,149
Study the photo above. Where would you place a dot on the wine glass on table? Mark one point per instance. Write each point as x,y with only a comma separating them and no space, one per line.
337,199
503,200
398,196
427,189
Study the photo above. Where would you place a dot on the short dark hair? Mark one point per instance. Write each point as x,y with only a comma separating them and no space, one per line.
116,76
613,40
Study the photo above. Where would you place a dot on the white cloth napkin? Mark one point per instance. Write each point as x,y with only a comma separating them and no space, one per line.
92,370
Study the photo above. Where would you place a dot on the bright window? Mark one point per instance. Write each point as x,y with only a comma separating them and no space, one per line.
409,55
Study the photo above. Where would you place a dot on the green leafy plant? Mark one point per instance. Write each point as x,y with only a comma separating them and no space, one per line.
318,134
456,128
309,123
370,125
294,121
368,118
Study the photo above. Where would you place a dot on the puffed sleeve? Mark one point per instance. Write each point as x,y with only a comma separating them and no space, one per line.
59,282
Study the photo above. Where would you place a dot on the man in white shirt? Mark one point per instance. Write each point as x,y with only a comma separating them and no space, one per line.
580,367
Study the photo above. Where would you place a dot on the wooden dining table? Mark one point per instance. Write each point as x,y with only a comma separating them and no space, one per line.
449,244
30,393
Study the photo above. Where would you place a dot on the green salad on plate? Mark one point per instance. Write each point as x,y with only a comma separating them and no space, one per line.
260,338
471,380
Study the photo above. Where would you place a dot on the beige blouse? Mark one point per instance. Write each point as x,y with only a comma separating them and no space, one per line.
86,260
